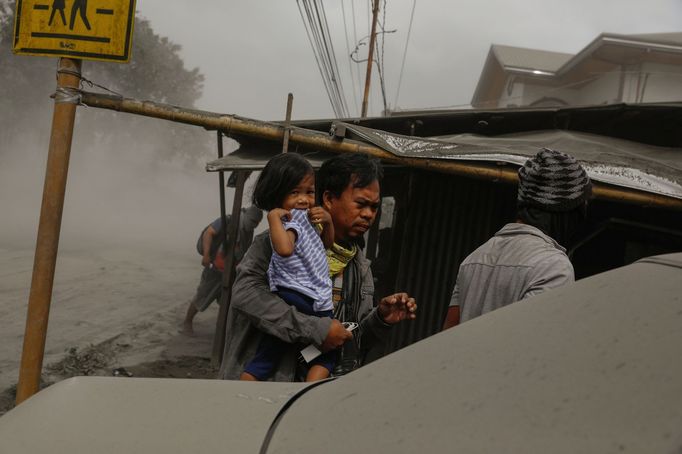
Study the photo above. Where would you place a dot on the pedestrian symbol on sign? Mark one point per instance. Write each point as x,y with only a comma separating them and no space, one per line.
58,5
88,29
82,7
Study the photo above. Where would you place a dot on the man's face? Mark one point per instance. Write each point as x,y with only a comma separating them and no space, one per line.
354,212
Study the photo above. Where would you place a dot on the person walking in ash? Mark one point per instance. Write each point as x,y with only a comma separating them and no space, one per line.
526,257
210,246
347,187
298,272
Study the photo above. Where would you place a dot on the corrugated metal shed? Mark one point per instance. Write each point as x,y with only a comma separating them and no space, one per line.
445,219
439,218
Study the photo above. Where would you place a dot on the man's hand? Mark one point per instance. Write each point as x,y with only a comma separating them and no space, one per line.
397,307
205,260
336,336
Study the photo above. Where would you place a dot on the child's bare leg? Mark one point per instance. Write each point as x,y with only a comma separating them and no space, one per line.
316,373
247,377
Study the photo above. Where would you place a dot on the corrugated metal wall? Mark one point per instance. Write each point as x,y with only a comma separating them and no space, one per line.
445,219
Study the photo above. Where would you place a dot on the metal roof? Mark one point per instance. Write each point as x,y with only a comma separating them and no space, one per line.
251,157
617,162
665,38
548,64
544,61
533,59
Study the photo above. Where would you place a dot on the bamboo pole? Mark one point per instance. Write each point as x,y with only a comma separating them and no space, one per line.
233,125
49,226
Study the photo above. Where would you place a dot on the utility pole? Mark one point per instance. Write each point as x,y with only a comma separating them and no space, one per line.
370,56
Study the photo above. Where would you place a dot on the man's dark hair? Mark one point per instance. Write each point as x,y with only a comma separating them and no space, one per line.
280,175
338,172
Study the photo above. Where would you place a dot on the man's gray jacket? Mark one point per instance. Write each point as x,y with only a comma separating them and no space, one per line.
254,310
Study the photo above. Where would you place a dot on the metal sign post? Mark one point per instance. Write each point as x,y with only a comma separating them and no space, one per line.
98,30
65,103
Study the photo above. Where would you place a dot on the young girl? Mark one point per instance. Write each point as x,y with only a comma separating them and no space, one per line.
298,271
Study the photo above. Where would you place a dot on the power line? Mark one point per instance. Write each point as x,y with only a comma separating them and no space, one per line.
350,62
332,58
319,36
355,40
309,33
402,66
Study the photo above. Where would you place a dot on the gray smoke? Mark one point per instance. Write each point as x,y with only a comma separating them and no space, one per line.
118,191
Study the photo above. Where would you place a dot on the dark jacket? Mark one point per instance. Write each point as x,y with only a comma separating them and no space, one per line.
255,310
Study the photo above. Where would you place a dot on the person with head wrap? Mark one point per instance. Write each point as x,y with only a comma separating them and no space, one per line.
526,257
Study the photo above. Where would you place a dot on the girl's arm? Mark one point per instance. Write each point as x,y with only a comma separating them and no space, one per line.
319,215
282,240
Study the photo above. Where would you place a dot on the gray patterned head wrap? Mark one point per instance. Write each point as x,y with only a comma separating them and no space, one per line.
553,181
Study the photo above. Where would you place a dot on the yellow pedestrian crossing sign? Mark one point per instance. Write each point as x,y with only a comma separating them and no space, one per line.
85,29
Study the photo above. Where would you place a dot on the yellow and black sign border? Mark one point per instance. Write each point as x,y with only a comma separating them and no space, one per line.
130,23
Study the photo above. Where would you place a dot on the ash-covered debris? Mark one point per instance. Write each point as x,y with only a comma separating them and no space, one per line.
86,361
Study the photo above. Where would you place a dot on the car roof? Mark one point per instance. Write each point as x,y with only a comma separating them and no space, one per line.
591,367
595,366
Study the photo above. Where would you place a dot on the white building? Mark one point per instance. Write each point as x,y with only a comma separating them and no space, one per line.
611,69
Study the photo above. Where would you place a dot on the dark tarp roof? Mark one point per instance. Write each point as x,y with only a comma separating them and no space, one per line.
633,146
608,160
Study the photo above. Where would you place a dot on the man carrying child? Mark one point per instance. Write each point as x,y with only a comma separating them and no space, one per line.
348,189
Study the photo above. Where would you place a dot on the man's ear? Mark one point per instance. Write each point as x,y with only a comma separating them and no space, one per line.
327,200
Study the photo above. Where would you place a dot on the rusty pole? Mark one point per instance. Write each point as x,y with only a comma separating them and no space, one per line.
229,272
370,56
65,103
287,123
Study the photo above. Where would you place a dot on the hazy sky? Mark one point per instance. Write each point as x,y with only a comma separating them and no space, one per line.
254,52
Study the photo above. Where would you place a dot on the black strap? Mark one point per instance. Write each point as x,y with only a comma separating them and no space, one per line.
348,310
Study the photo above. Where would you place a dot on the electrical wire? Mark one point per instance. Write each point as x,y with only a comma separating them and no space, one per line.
355,40
380,59
350,62
332,58
309,33
402,66
314,19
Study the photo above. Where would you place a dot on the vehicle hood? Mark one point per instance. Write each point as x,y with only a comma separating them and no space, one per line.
592,367
144,415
